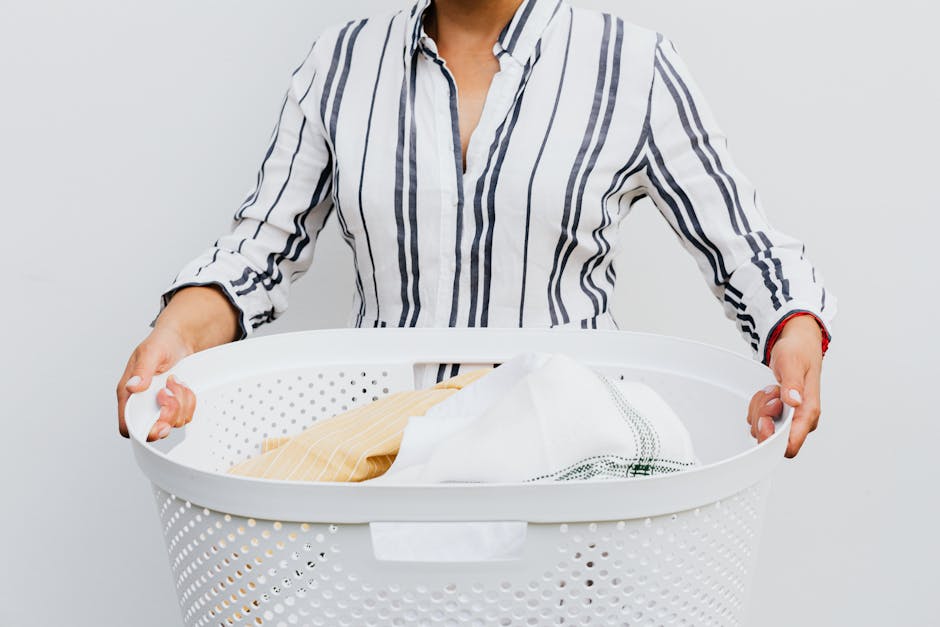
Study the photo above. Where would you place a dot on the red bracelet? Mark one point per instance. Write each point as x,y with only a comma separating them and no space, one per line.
778,329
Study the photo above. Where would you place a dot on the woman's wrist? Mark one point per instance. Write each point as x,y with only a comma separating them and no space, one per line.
803,324
200,316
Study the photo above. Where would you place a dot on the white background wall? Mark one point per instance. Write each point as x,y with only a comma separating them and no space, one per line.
131,131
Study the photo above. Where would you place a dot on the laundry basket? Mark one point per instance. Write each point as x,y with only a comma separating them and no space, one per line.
676,549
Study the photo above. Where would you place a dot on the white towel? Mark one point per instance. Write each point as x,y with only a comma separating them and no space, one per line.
542,417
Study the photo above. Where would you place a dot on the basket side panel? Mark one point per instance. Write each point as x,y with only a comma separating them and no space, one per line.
233,419
691,567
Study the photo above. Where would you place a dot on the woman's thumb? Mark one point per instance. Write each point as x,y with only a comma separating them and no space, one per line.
146,365
137,376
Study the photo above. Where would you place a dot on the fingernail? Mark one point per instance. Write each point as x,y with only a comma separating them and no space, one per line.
132,381
771,401
770,389
165,431
795,395
761,425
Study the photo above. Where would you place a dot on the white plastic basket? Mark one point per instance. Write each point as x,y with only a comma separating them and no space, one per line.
675,549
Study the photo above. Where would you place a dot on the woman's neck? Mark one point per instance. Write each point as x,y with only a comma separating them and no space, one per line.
469,25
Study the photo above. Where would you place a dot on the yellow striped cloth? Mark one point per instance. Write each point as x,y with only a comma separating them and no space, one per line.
355,445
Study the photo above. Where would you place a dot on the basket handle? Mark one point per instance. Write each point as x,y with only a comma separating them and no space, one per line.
440,541
142,409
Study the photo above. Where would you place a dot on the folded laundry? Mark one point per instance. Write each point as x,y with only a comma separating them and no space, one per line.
537,417
543,417
352,446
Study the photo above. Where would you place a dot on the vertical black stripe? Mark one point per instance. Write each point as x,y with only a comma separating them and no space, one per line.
499,147
555,277
416,28
631,167
343,77
331,73
602,256
477,235
598,233
399,197
458,168
535,167
413,200
362,169
339,92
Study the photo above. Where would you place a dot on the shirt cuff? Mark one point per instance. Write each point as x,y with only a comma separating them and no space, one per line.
250,300
777,329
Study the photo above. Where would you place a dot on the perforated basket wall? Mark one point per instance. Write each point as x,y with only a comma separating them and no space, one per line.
686,568
243,413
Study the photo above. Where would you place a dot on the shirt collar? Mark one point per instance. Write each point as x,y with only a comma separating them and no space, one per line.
518,38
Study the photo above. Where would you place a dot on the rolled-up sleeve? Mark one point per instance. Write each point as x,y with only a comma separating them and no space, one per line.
271,240
759,274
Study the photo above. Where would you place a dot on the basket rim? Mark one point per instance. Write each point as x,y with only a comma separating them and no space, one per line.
350,502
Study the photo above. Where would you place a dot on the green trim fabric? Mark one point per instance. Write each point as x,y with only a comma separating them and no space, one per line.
647,442
543,417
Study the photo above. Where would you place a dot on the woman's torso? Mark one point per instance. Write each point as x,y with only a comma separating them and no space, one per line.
527,235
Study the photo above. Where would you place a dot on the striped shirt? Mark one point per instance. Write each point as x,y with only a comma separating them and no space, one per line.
587,115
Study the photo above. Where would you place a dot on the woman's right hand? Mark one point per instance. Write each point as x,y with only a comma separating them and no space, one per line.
163,348
195,318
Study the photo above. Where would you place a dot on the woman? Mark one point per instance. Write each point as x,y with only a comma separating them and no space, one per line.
480,157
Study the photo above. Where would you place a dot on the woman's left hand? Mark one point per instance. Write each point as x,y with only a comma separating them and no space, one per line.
796,361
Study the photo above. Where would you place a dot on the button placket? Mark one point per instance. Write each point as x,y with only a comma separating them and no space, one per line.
496,107
499,98
449,182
